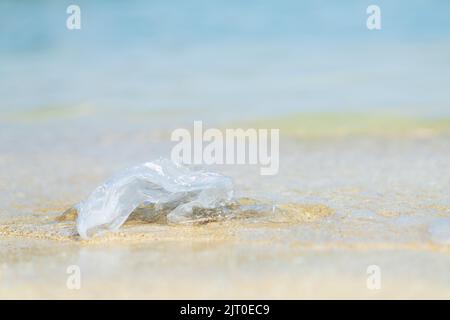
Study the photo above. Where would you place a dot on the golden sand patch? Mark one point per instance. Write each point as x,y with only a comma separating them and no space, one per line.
68,215
62,227
389,213
295,212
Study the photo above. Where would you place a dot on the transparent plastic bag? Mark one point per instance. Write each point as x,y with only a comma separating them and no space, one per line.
161,183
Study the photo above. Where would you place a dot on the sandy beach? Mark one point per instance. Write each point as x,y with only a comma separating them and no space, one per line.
341,204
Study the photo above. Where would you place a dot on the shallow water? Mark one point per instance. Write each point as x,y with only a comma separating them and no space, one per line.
337,206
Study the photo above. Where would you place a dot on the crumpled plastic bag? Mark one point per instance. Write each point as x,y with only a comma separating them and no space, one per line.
161,183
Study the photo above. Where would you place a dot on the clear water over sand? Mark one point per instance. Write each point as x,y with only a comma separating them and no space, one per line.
342,203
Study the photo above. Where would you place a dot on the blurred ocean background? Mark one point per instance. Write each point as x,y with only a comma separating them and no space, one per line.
233,59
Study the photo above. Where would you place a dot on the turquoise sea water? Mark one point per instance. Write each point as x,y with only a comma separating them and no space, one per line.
235,58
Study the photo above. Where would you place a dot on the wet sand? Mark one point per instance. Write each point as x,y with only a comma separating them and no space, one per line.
218,260
343,203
